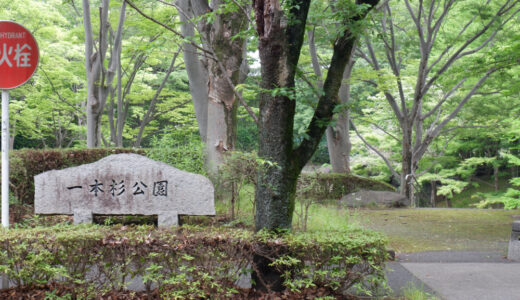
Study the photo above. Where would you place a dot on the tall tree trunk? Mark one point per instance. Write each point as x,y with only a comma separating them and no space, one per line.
433,195
495,175
280,43
407,162
212,79
197,72
277,183
99,79
222,104
338,137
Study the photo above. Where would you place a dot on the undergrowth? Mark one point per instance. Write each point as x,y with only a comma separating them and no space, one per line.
186,262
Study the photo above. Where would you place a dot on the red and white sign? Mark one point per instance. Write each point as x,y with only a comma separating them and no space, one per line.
18,55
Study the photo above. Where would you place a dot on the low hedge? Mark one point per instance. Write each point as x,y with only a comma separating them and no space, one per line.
185,262
335,185
25,164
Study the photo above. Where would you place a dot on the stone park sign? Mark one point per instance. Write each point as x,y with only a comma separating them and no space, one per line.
123,184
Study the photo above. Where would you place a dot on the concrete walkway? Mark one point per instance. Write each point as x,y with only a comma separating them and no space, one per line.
456,275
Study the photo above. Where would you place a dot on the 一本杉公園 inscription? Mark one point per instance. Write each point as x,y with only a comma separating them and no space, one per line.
160,188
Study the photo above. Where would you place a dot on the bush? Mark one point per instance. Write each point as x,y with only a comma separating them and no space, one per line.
185,262
183,150
243,167
334,185
25,164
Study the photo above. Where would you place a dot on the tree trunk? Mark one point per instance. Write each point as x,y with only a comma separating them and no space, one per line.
197,72
433,196
276,187
222,104
338,137
213,95
99,79
407,164
495,175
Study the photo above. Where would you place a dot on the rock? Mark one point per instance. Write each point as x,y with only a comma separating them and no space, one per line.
124,184
367,198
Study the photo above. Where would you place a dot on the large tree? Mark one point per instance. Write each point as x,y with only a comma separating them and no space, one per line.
215,72
338,133
448,43
99,77
281,31
214,56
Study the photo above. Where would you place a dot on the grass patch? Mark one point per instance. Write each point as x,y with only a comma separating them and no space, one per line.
415,230
407,230
412,292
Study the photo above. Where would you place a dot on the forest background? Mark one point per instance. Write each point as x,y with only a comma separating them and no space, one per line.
429,102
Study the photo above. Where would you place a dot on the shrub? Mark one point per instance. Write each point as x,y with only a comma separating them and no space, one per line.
334,185
186,262
25,164
183,150
243,167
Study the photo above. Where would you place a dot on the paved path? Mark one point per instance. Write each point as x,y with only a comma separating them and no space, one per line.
457,275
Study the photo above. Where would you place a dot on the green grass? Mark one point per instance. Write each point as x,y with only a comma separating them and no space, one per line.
412,292
413,230
408,230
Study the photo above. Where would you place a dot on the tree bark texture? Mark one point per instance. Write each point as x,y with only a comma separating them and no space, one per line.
99,78
212,80
280,42
338,136
197,72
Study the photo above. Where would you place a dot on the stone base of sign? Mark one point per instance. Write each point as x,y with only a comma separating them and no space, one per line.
82,216
167,219
513,252
4,284
164,219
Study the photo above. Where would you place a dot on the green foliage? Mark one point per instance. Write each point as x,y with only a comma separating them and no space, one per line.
188,262
179,148
511,198
238,170
452,180
25,164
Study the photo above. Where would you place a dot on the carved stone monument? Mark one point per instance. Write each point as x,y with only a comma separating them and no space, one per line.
123,184
513,252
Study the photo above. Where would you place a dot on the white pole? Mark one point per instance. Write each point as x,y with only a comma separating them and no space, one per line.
5,172
5,158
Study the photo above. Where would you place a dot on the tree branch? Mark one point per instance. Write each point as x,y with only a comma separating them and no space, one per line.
435,132
167,27
381,128
58,93
387,162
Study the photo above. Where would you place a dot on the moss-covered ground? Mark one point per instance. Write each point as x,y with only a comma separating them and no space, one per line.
408,230
413,230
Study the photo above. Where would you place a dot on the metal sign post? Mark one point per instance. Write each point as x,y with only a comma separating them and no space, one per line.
5,170
19,58
5,158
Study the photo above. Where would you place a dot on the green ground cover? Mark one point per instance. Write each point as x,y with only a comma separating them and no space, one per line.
407,230
414,230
